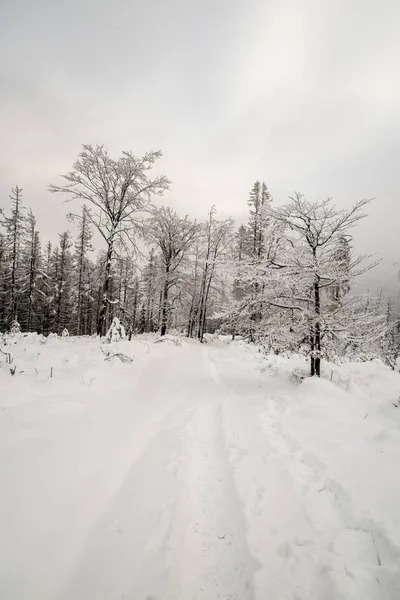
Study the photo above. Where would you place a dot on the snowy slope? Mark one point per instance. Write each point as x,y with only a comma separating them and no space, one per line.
195,471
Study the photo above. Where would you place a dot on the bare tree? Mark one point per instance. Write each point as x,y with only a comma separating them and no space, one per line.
174,236
219,237
117,194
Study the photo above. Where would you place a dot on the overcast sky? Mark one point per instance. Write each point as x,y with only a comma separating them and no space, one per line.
304,94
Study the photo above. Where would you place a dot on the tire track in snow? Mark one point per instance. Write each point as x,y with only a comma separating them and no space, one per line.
127,554
213,561
175,530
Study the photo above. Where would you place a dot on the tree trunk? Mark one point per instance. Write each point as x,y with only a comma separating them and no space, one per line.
13,303
134,310
80,294
317,328
202,299
192,311
60,296
164,312
206,295
106,288
31,282
312,355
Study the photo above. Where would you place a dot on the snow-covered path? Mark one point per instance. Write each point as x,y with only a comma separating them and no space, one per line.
176,477
174,528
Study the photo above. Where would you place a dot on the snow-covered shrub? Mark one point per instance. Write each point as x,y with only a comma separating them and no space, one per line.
15,328
298,375
116,331
170,339
65,333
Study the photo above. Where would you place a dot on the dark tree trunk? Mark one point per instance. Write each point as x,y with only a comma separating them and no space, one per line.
134,310
80,295
164,311
31,285
202,299
312,355
317,329
106,288
13,302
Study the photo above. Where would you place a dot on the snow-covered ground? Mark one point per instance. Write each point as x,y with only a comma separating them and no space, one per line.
195,472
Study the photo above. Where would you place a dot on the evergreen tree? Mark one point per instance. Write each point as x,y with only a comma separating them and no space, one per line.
31,304
63,277
15,231
47,289
83,245
3,282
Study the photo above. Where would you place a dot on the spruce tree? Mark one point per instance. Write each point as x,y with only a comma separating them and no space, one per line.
63,283
15,231
83,245
31,299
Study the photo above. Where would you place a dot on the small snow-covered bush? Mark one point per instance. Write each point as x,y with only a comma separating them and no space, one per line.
171,339
15,328
116,331
298,375
65,333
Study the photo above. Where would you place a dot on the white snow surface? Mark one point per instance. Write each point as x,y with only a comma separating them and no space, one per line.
195,472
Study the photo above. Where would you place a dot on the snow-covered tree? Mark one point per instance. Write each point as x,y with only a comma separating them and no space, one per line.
219,238
117,194
14,225
31,304
314,273
300,286
116,331
47,289
258,202
63,282
174,236
151,286
3,281
83,246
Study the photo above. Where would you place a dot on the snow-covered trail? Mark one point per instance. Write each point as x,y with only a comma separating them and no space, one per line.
174,528
175,478
128,495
